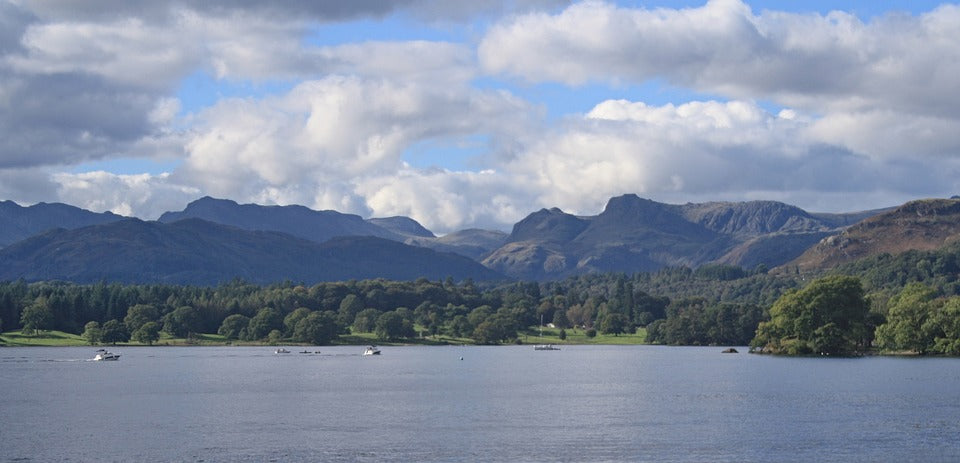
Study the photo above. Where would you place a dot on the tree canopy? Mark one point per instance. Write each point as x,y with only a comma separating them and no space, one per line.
920,321
830,316
717,304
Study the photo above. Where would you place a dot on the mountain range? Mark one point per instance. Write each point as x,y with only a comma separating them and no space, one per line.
214,240
200,252
18,222
634,234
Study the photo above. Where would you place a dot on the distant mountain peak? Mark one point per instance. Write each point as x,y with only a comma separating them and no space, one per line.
753,218
548,224
296,220
18,222
403,226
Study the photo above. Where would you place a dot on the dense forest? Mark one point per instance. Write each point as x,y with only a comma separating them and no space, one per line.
608,303
904,303
318,313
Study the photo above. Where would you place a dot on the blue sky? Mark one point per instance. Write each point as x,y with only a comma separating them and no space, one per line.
201,89
476,114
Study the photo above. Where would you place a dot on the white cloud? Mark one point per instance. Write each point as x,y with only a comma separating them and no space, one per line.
320,11
82,87
446,201
707,151
864,109
871,103
438,62
127,51
317,143
144,195
890,135
804,60
599,41
28,186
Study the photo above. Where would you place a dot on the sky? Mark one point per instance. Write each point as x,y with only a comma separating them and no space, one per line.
475,114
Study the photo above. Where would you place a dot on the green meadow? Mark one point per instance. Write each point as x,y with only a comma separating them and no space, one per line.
531,336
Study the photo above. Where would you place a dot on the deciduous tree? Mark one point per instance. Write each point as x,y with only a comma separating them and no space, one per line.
390,325
234,326
36,317
92,332
614,324
148,333
366,320
114,331
906,327
139,314
317,328
829,316
266,320
182,321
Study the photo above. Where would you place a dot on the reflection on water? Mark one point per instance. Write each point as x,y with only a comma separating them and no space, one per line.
583,403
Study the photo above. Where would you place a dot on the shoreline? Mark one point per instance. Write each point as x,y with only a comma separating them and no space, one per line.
62,339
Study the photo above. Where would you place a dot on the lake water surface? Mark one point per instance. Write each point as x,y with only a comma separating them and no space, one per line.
506,404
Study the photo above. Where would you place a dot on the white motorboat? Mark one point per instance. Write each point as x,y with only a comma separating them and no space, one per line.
103,354
372,350
281,351
545,347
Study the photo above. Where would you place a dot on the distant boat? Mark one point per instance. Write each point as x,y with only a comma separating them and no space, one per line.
544,346
103,354
281,351
372,350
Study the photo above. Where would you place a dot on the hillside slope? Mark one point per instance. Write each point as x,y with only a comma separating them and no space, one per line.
195,251
918,225
18,222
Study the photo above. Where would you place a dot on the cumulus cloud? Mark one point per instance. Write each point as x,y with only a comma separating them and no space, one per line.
708,151
446,201
805,60
61,119
317,143
28,186
877,98
867,107
889,135
140,195
76,90
323,11
85,84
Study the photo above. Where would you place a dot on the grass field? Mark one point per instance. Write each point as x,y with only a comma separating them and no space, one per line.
44,338
531,336
579,336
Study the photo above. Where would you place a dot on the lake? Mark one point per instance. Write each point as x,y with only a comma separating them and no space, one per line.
498,404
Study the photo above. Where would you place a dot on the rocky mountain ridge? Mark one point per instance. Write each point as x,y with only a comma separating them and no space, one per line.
921,225
635,234
631,234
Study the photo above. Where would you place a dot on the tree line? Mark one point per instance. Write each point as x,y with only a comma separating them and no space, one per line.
903,303
320,313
